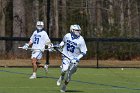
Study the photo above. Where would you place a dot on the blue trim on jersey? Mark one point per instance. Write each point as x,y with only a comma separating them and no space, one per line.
83,53
73,36
38,55
64,63
39,30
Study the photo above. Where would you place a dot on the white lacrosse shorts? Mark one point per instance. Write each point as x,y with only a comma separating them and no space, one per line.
65,64
36,54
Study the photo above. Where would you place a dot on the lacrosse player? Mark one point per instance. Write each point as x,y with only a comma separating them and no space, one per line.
74,48
38,40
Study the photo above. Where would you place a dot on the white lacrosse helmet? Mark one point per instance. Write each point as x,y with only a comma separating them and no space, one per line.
39,25
76,29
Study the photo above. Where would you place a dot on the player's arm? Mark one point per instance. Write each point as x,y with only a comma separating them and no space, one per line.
83,51
81,55
30,42
77,59
49,44
61,44
63,41
26,45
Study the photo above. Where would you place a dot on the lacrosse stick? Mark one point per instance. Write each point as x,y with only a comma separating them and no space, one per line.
58,49
72,65
33,49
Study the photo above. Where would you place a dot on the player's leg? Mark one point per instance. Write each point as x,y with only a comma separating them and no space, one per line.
72,69
34,60
36,55
39,64
46,66
64,68
61,78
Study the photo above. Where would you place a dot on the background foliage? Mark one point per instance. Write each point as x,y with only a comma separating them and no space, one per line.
97,18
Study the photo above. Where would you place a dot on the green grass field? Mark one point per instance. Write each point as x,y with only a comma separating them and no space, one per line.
85,80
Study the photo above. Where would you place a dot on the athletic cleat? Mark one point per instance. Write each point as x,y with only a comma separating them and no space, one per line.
46,68
59,81
32,77
63,89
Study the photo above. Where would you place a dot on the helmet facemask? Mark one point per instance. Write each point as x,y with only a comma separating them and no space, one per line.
39,25
75,29
77,32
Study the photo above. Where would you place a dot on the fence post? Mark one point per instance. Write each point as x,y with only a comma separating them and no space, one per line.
97,53
48,22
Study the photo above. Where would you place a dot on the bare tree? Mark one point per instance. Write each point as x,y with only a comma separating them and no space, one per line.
121,18
3,4
56,18
36,10
129,19
138,14
18,23
99,27
92,16
134,19
111,13
63,14
45,12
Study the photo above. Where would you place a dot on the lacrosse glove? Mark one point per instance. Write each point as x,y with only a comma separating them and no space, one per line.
25,46
50,47
75,61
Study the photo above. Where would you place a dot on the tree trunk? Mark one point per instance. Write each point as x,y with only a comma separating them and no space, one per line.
99,18
138,12
3,4
121,18
129,20
45,12
56,34
63,16
110,13
36,10
135,19
92,17
18,23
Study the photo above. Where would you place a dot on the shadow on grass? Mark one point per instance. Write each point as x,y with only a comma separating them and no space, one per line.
73,91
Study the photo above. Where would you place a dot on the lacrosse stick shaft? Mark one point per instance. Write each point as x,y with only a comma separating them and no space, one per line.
32,48
72,64
22,48
61,52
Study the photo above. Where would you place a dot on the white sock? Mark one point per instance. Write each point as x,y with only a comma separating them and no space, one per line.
34,73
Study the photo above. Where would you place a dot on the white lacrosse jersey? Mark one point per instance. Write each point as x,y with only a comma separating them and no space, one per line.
73,47
39,39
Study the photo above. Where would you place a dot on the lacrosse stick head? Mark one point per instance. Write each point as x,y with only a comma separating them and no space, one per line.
56,46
